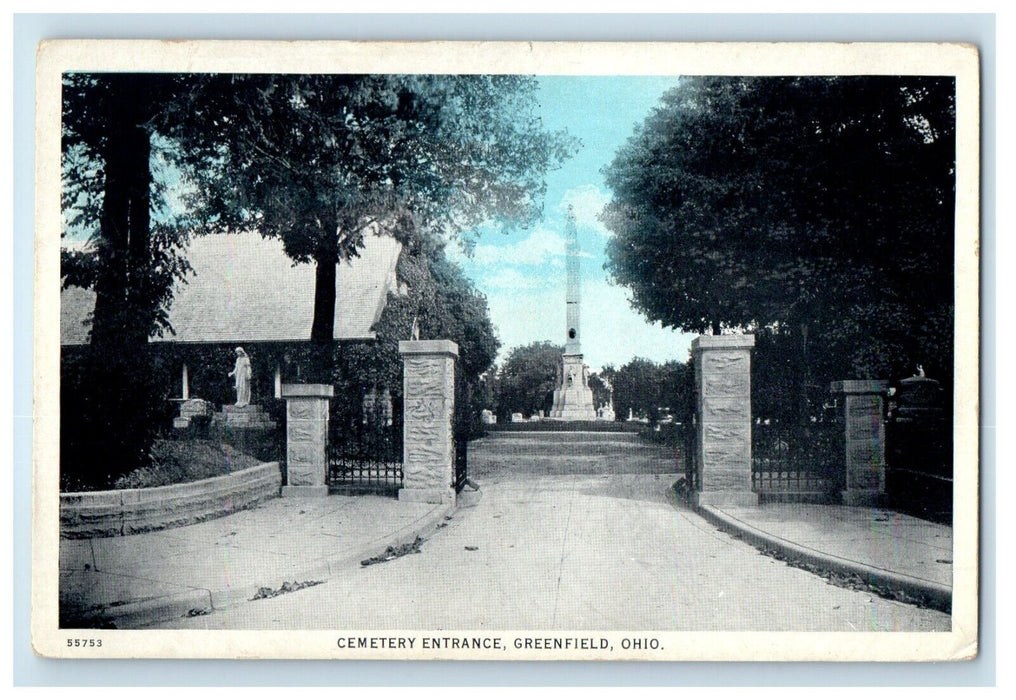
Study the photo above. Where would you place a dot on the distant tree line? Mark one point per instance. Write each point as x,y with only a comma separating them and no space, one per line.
642,388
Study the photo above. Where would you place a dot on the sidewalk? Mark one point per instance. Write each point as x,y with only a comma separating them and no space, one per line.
132,582
885,549
138,580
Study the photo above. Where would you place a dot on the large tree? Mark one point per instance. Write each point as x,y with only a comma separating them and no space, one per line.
820,208
110,191
528,378
321,160
443,303
110,399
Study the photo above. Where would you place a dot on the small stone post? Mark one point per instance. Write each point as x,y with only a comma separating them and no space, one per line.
864,438
723,433
429,406
306,438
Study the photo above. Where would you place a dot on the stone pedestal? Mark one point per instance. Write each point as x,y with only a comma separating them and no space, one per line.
573,399
191,409
306,438
429,406
864,438
249,416
723,433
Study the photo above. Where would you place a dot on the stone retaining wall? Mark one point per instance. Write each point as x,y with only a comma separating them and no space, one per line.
130,511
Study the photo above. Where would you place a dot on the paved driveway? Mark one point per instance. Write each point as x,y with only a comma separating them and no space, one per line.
549,547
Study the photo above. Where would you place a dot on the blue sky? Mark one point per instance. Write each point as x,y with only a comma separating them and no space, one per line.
522,273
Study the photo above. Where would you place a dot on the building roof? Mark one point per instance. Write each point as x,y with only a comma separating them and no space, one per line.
244,288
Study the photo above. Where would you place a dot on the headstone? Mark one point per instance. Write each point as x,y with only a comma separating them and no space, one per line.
429,406
487,417
191,409
723,433
517,418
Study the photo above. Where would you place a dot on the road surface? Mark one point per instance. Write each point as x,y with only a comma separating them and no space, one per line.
545,546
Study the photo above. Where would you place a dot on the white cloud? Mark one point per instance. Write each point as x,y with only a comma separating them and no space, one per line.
542,246
510,278
587,201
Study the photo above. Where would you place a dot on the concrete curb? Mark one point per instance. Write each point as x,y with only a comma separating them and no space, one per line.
144,613
935,595
322,570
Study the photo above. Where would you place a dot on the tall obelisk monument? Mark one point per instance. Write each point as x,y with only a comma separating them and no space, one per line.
573,399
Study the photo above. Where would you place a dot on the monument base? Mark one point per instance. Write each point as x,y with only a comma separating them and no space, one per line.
249,416
573,399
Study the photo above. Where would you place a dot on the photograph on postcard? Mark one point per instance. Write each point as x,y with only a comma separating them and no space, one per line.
502,356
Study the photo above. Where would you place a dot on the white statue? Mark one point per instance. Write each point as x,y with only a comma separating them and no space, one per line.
241,374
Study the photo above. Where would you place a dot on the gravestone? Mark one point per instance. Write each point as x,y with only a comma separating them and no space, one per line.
191,409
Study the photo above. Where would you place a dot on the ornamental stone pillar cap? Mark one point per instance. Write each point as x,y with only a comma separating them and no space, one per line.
323,391
723,342
429,347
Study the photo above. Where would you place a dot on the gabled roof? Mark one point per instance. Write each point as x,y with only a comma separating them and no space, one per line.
244,288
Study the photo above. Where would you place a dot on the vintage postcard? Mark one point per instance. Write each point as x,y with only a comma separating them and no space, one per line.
506,351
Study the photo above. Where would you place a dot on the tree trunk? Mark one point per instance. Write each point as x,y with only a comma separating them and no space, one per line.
121,392
122,312
139,255
108,322
322,332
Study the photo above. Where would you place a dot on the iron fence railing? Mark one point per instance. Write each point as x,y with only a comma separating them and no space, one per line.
797,460
365,455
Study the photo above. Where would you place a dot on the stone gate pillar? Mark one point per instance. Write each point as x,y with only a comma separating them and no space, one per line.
723,433
428,445
864,438
306,438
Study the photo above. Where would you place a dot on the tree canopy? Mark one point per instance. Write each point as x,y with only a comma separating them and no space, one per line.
644,388
318,160
527,379
816,206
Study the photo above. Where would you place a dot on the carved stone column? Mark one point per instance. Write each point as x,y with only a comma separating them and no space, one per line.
864,438
429,405
306,438
723,433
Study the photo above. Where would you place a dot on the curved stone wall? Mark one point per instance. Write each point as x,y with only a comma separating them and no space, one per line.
130,511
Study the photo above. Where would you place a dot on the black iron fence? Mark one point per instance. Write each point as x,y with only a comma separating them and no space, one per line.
796,462
365,449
